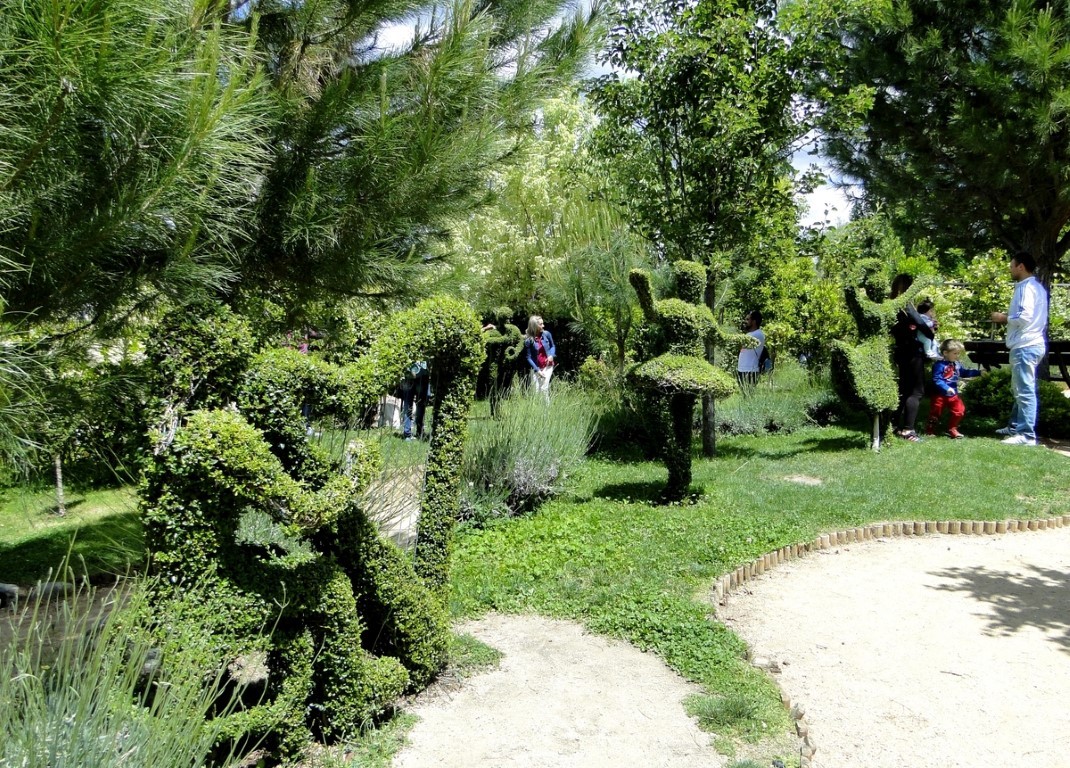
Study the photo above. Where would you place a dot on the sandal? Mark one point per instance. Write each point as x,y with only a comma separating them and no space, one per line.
910,435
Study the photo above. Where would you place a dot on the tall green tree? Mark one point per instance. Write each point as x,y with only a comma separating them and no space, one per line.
698,123
953,115
131,146
546,244
379,151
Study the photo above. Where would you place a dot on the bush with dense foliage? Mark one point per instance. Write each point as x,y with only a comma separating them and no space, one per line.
990,395
239,500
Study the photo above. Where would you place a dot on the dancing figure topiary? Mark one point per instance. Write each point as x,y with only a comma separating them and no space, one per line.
677,372
237,498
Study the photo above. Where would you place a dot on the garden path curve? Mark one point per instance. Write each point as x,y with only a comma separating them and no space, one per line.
948,651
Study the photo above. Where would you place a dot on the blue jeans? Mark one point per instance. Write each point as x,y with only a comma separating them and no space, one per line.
1025,388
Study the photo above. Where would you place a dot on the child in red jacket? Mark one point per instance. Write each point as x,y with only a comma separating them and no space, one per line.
946,375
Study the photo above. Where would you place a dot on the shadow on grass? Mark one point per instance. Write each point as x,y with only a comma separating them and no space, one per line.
68,506
775,450
1038,598
647,492
109,546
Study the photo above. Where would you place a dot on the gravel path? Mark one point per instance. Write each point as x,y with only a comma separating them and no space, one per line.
561,698
949,651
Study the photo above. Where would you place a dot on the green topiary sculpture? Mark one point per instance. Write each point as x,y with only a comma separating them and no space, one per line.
862,372
237,498
677,371
504,343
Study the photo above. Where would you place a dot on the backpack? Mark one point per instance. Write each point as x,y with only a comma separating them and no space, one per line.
765,362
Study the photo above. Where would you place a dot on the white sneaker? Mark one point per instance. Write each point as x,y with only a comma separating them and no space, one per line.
1018,440
1005,431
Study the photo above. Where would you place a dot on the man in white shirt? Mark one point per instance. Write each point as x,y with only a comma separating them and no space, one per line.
748,366
1027,322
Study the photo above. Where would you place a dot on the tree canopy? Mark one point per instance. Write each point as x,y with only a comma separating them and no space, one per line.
698,119
953,115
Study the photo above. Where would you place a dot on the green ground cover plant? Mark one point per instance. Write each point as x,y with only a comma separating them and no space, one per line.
101,530
607,556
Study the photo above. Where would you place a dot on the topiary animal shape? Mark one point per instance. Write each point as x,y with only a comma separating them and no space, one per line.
504,344
679,373
239,499
862,372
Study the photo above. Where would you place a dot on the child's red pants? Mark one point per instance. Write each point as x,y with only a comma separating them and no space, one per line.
955,406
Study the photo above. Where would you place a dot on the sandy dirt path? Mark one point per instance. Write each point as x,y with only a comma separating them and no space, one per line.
942,651
949,651
561,698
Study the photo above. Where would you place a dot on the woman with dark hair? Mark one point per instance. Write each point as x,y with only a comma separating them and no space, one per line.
909,356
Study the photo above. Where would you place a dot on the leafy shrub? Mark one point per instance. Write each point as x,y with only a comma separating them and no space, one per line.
625,416
84,692
522,456
238,500
790,398
990,395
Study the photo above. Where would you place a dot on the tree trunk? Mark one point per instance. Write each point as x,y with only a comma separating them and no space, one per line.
709,426
876,444
709,405
61,502
678,450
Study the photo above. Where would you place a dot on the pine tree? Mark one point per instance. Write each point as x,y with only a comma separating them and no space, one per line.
953,115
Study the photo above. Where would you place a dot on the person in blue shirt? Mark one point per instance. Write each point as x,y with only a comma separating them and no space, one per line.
540,352
1027,323
947,372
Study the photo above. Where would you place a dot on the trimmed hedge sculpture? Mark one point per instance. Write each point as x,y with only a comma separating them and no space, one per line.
862,372
504,344
677,371
238,499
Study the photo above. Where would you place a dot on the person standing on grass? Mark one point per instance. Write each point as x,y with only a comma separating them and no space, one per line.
909,357
415,390
540,352
1027,320
748,366
946,375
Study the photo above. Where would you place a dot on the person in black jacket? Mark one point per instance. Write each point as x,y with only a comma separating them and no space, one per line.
909,357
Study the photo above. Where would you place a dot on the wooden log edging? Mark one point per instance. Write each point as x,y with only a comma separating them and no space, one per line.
733,580
874,531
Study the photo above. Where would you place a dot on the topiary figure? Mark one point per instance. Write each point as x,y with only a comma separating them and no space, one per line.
239,499
862,372
504,343
677,373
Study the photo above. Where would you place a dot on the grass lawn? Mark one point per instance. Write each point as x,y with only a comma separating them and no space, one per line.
605,556
101,529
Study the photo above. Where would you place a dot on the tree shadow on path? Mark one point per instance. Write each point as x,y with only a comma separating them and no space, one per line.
1037,597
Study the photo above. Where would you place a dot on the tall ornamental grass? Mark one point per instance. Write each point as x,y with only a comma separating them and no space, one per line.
789,398
83,685
519,458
